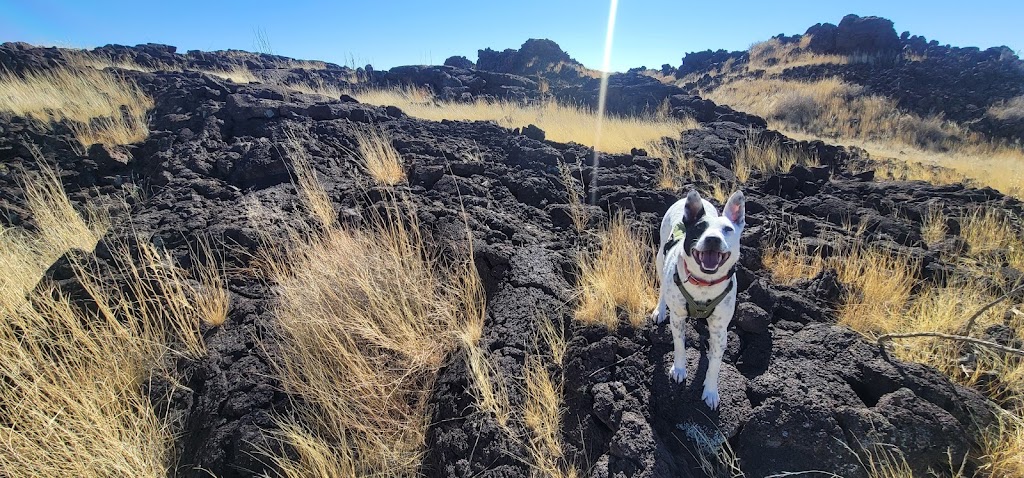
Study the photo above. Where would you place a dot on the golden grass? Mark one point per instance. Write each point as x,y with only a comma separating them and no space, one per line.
789,264
755,154
237,74
1004,447
542,414
562,123
366,318
318,87
617,276
676,167
774,56
81,59
309,187
895,170
578,211
1009,110
834,110
379,156
73,402
98,106
933,225
992,237
24,257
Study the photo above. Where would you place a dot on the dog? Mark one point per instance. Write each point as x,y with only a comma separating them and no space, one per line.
696,265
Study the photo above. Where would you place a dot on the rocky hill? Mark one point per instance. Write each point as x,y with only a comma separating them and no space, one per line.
799,392
961,84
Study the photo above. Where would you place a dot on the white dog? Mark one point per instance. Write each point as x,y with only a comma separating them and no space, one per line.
696,260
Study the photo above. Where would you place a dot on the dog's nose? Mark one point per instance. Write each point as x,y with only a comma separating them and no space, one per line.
712,242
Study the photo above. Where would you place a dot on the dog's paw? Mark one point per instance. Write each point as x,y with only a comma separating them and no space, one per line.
677,373
657,316
711,398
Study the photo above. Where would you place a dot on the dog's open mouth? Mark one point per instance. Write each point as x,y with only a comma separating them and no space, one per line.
710,261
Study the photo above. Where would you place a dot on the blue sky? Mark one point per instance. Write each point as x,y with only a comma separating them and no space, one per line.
390,33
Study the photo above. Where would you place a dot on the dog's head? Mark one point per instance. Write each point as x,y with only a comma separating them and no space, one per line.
712,242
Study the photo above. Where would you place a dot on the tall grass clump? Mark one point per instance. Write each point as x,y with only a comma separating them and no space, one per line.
24,256
73,401
98,106
380,158
366,318
236,74
616,276
756,154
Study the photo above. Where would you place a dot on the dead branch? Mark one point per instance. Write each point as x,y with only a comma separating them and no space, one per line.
974,318
882,339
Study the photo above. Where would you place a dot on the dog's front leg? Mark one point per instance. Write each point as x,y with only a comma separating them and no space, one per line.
718,336
661,310
678,325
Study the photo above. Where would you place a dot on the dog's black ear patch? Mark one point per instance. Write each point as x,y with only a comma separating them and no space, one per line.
694,208
693,232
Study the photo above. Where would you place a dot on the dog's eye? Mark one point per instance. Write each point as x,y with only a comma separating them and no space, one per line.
728,229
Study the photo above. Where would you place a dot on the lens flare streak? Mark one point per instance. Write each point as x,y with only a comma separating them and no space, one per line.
606,67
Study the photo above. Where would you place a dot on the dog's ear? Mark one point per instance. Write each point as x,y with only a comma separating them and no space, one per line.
735,209
694,208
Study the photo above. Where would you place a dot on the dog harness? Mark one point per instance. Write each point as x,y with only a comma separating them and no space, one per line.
694,308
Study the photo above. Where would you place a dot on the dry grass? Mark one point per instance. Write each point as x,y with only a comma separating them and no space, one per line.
563,123
676,167
993,238
237,74
774,56
834,110
25,256
318,87
542,414
379,156
757,155
790,264
1010,110
933,225
73,401
98,106
366,317
364,376
618,276
314,196
574,191
894,170
82,59
1004,447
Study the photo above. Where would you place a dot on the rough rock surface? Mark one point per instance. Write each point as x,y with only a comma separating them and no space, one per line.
798,391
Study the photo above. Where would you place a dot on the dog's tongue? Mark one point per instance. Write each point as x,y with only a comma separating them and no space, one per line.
709,260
